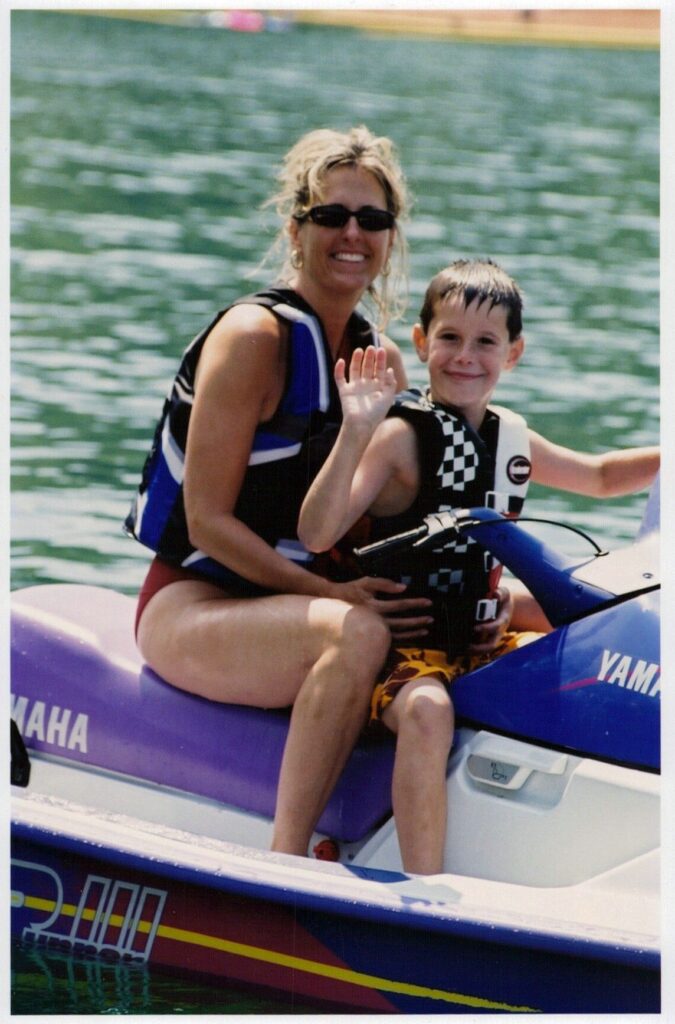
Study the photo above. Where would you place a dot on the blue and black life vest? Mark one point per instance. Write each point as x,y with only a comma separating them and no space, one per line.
288,449
459,468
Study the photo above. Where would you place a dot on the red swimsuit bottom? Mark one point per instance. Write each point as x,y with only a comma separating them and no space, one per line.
160,575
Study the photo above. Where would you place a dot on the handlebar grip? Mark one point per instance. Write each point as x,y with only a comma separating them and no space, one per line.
433,529
401,540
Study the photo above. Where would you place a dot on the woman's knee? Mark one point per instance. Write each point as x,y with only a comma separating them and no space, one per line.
366,636
357,635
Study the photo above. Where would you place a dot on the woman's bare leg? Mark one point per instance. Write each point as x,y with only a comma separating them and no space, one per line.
320,655
422,716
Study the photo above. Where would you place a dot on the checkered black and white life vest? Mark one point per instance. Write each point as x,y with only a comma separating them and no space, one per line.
287,452
459,468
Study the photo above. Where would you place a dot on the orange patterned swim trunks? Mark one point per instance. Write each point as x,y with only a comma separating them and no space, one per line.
407,663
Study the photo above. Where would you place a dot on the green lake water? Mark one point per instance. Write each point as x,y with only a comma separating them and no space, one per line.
140,155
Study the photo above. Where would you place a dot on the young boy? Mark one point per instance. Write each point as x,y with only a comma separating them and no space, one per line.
445,448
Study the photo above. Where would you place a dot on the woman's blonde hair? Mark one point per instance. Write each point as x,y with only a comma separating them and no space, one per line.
301,178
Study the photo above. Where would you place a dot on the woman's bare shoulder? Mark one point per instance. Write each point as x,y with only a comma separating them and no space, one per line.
243,351
247,319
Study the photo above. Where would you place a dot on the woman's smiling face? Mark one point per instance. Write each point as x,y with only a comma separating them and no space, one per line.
467,349
343,260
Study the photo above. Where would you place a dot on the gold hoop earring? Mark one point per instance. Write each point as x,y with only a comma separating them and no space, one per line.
386,269
296,259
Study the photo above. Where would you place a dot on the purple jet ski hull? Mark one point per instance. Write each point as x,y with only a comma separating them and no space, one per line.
80,690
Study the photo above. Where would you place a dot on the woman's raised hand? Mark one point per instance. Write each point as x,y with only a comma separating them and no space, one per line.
369,392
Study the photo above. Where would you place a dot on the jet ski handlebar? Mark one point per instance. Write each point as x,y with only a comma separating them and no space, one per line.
562,584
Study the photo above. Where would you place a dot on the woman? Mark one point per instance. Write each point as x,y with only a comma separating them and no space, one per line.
230,609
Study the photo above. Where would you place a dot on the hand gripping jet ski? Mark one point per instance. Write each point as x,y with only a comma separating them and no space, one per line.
141,814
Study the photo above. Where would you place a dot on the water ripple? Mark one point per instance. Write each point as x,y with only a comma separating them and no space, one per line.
141,155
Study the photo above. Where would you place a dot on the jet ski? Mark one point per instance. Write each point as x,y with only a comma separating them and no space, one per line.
141,814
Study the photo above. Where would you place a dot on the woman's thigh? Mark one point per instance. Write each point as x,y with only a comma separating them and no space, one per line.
254,651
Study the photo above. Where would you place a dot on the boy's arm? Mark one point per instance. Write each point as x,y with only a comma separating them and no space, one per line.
354,479
334,501
597,476
359,466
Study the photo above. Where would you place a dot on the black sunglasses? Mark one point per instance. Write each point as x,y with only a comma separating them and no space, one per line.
369,218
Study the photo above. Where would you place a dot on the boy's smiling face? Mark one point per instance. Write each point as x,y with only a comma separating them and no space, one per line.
467,349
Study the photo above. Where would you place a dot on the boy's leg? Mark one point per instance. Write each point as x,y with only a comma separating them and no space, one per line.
422,716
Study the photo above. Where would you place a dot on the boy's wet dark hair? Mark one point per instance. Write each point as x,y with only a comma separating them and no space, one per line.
476,279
